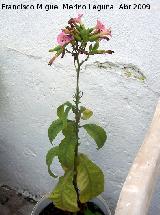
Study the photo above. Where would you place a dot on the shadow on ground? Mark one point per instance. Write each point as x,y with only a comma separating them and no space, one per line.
13,203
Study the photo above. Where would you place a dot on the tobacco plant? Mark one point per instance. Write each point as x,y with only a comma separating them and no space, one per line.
82,179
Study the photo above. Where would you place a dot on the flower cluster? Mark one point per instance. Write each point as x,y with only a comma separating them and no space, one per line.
82,40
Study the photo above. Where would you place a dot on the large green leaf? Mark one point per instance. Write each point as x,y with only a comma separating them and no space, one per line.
97,133
70,130
62,112
90,179
49,158
64,195
60,123
67,146
60,109
54,129
66,154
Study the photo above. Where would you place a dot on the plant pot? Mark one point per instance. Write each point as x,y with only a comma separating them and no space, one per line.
44,202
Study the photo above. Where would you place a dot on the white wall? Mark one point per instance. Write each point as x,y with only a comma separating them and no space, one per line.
30,91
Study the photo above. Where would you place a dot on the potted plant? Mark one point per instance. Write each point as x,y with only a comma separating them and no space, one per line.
77,190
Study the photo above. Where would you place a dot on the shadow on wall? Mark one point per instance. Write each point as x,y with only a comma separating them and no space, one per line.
3,95
5,174
5,152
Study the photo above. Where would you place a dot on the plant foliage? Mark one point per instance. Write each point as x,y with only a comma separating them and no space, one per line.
82,179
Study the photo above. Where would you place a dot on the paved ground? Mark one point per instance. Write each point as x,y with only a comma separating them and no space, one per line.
12,203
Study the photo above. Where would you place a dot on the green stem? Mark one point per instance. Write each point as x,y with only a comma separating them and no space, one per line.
77,120
78,65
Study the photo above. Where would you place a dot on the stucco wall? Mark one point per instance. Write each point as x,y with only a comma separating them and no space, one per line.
30,91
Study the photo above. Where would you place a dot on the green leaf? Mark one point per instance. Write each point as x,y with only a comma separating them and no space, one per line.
77,37
90,179
98,213
84,34
54,129
79,28
96,46
49,158
67,146
88,212
66,153
82,108
94,37
70,130
57,48
97,133
64,195
86,114
91,29
62,113
90,48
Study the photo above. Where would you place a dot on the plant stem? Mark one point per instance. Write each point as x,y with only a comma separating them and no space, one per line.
77,97
77,120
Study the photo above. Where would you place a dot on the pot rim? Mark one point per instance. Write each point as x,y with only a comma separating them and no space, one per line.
100,198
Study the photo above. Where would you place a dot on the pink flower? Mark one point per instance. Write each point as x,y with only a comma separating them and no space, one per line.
63,38
78,19
100,28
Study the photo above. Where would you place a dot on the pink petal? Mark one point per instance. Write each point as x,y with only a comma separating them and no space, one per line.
107,32
100,26
63,38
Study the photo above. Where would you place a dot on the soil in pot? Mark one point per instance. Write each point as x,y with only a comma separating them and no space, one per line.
52,210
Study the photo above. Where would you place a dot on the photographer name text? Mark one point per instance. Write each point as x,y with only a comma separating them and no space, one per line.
97,7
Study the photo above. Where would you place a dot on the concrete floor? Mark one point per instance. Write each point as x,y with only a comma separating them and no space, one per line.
12,203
